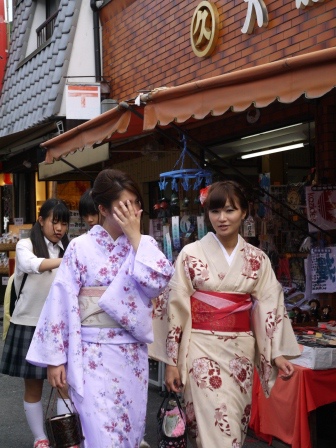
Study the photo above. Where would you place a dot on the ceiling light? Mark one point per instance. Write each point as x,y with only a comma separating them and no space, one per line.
272,130
272,151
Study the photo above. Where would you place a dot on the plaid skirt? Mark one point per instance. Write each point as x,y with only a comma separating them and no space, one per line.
13,361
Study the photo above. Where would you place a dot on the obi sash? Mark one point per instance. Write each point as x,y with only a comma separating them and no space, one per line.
91,315
220,311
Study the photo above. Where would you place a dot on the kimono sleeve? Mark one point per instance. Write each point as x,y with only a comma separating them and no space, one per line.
142,277
57,334
172,333
272,328
151,269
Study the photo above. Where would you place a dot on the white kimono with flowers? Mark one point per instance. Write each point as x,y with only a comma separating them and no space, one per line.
107,368
216,368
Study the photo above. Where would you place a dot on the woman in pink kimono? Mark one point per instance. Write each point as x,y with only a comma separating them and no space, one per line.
226,315
96,323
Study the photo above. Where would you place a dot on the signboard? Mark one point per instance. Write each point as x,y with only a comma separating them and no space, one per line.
82,101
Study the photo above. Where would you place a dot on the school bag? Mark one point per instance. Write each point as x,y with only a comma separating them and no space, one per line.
13,297
10,300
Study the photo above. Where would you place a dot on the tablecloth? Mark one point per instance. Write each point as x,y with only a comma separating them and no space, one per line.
285,413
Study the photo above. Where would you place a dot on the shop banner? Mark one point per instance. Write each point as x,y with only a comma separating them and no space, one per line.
323,270
321,207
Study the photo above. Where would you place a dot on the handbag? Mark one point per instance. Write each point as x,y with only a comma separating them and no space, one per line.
63,430
172,428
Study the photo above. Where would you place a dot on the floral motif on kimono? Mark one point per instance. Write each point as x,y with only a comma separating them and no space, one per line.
202,265
132,279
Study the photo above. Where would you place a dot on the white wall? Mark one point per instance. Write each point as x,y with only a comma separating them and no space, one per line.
82,55
39,18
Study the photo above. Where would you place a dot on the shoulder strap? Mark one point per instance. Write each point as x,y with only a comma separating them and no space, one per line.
22,284
13,297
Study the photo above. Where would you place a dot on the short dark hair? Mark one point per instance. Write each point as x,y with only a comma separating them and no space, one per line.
109,185
221,192
86,205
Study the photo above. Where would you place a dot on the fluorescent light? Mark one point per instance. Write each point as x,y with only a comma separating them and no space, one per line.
272,130
272,151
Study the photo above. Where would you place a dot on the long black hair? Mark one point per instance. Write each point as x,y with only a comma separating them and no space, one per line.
58,211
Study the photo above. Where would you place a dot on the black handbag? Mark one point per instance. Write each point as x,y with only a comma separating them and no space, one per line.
63,430
171,419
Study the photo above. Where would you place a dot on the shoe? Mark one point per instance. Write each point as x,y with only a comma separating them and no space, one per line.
144,444
42,443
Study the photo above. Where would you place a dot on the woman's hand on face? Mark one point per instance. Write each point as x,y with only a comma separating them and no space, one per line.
128,218
286,368
173,379
57,376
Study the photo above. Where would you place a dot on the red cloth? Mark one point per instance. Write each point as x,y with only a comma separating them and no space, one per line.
285,413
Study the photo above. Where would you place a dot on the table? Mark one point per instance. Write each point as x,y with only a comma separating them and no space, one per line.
285,414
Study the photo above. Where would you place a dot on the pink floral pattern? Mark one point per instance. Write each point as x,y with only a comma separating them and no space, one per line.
214,365
265,371
206,373
191,420
221,419
172,343
196,270
246,418
161,303
132,280
252,261
272,321
241,370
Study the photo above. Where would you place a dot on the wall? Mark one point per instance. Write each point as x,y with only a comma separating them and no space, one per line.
146,44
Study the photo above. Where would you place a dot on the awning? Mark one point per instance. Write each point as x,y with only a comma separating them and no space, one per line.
312,75
115,124
80,159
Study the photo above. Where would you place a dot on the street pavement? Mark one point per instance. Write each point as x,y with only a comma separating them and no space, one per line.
14,430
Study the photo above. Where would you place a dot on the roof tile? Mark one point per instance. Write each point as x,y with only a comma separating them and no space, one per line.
31,93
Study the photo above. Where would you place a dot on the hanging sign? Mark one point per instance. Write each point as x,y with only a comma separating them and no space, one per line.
323,270
176,232
321,208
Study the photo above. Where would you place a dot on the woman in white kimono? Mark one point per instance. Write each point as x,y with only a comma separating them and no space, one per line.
225,315
97,320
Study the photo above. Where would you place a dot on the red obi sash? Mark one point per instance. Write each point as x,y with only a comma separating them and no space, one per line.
220,311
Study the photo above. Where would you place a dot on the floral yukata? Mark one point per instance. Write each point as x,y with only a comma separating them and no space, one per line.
216,366
107,360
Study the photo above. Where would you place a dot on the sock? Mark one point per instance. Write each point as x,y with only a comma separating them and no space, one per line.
61,407
34,415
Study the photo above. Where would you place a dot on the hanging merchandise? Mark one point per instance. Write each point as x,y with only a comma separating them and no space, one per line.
265,183
167,244
201,227
184,175
323,270
249,225
176,232
321,207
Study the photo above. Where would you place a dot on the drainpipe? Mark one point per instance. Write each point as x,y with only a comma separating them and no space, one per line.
96,39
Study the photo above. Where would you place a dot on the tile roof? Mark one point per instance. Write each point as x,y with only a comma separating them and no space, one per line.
32,93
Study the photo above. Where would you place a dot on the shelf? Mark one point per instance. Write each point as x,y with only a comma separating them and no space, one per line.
5,247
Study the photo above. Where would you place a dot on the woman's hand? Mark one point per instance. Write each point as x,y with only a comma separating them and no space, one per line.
286,367
128,218
57,376
173,379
